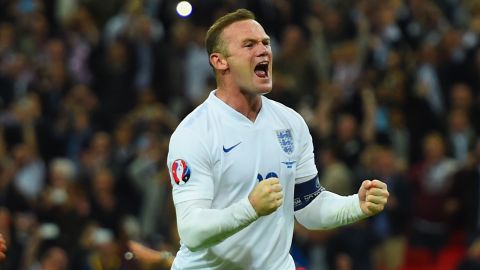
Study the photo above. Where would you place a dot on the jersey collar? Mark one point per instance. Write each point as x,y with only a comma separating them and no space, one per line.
232,113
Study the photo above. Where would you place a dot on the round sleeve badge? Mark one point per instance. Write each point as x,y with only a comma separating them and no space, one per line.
180,171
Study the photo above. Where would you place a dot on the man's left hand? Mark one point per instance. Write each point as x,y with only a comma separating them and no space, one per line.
373,195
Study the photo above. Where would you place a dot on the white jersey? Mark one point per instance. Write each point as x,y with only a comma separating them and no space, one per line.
218,154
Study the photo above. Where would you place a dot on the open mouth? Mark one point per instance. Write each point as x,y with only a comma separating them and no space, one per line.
261,69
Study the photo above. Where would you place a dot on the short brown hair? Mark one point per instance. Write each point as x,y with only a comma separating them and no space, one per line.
212,40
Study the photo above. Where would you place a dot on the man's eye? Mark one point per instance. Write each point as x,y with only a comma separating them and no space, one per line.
249,45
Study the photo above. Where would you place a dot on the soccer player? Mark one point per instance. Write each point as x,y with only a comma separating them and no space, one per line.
242,166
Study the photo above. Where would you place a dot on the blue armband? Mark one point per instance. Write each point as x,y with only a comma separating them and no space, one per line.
305,193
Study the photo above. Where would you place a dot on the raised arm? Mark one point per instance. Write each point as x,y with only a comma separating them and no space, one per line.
320,209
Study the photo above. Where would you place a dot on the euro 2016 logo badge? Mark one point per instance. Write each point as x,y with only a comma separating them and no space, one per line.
180,171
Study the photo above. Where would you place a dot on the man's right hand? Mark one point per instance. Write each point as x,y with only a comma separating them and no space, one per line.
267,196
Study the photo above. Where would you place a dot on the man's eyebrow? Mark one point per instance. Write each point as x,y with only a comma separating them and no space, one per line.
256,40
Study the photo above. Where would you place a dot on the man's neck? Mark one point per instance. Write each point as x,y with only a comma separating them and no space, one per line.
243,102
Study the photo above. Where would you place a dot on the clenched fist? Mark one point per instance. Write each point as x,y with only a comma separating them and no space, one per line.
267,196
373,195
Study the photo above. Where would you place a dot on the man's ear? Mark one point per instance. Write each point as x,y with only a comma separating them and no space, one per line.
218,61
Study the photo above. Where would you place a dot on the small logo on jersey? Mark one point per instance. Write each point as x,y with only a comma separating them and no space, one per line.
226,150
285,139
269,175
180,171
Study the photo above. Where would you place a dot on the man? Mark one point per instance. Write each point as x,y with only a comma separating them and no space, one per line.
242,166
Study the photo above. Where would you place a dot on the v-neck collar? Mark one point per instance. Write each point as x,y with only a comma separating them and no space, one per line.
234,114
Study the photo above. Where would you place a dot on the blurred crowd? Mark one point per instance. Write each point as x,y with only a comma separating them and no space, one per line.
90,92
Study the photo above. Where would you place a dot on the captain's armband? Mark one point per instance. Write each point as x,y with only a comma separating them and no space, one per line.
305,192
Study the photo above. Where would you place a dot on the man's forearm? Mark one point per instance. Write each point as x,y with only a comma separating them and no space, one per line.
201,227
329,210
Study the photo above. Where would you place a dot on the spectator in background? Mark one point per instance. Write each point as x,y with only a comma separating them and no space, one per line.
399,136
463,97
114,83
55,258
198,74
428,88
55,83
42,237
295,74
83,37
174,56
392,226
102,249
345,133
460,135
17,77
97,155
29,176
10,196
145,42
334,174
7,52
347,140
131,21
57,204
467,195
106,208
432,182
150,179
391,94
78,134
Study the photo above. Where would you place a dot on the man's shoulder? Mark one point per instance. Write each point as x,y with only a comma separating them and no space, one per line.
196,123
196,118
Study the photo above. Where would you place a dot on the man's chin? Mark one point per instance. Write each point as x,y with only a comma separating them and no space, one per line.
264,88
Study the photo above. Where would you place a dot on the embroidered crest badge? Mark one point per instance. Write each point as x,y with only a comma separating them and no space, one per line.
285,139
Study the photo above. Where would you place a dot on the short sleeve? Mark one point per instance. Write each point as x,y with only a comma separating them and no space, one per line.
306,167
190,167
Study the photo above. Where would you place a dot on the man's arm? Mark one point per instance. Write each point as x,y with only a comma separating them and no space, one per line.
147,255
327,210
200,226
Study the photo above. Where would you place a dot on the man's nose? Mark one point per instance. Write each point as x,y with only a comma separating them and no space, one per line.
263,50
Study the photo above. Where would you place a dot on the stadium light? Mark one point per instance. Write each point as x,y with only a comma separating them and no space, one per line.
184,8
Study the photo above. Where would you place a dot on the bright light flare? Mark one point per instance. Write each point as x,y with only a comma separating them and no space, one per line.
184,8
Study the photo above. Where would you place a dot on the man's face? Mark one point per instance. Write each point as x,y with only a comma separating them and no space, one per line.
249,56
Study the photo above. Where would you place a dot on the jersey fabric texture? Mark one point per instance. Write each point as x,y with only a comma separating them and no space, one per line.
218,154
